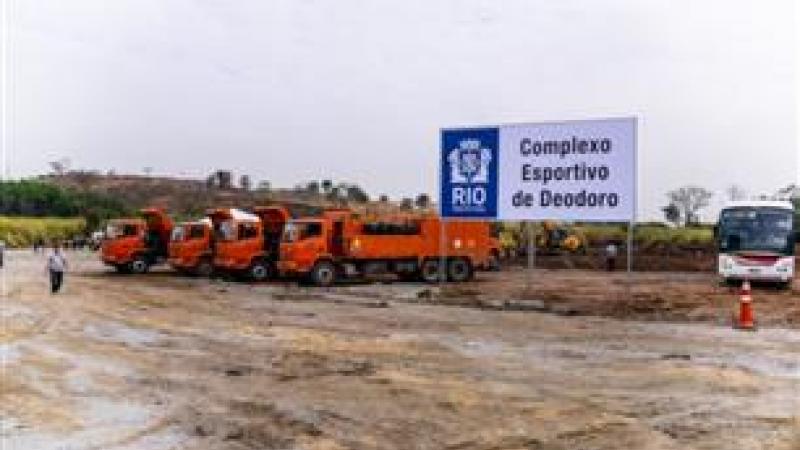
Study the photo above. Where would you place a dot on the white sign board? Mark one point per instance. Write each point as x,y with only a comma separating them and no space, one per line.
576,171
579,170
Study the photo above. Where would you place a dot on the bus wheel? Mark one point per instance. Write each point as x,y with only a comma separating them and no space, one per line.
259,271
323,273
139,265
459,270
430,271
204,268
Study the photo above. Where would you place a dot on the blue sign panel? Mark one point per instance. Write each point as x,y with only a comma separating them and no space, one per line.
469,163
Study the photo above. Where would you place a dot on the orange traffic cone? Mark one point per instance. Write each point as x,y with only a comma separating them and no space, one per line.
746,320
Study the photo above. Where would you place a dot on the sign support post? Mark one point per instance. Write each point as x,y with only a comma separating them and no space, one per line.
630,247
443,257
531,253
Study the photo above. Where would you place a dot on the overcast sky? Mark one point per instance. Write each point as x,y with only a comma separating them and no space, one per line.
357,90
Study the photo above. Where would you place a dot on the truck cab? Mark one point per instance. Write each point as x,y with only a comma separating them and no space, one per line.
191,248
248,243
134,245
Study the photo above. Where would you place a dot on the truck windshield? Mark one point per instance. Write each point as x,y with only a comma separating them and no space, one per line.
187,233
297,231
227,231
178,234
118,229
197,232
756,229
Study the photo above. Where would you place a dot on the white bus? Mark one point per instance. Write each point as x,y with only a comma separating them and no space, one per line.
756,241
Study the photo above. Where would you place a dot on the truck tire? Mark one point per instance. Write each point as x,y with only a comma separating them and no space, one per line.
205,268
139,265
123,268
459,270
323,273
259,270
430,271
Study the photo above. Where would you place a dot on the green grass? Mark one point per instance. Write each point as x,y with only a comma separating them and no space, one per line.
649,235
645,235
23,231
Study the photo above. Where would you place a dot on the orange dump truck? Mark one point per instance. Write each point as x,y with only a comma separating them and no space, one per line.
136,244
340,244
248,243
191,248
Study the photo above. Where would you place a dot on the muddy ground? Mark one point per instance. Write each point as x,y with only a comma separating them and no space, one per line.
563,360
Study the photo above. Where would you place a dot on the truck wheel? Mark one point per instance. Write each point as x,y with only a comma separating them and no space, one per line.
459,270
323,273
139,265
259,271
430,271
204,268
122,268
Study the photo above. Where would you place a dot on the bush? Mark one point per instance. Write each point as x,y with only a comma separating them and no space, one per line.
23,231
30,198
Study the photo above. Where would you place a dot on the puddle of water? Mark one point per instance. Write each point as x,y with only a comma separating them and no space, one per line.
780,367
134,337
9,353
105,422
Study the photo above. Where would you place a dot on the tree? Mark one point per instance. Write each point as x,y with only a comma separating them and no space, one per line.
245,183
735,192
333,193
264,186
327,185
383,198
61,166
312,187
423,201
690,200
407,204
356,194
792,192
672,214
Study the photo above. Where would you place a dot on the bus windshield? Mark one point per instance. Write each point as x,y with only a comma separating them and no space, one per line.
756,230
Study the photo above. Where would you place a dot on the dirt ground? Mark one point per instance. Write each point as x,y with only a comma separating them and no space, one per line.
550,360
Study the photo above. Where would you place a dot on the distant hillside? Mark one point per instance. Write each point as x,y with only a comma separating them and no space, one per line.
188,198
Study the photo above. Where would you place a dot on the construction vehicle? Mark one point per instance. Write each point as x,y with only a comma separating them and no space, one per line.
340,245
191,248
556,238
193,245
134,245
248,243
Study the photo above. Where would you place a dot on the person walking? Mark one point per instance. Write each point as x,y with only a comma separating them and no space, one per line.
56,266
611,257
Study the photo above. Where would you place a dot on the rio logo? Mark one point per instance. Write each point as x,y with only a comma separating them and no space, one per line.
468,171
